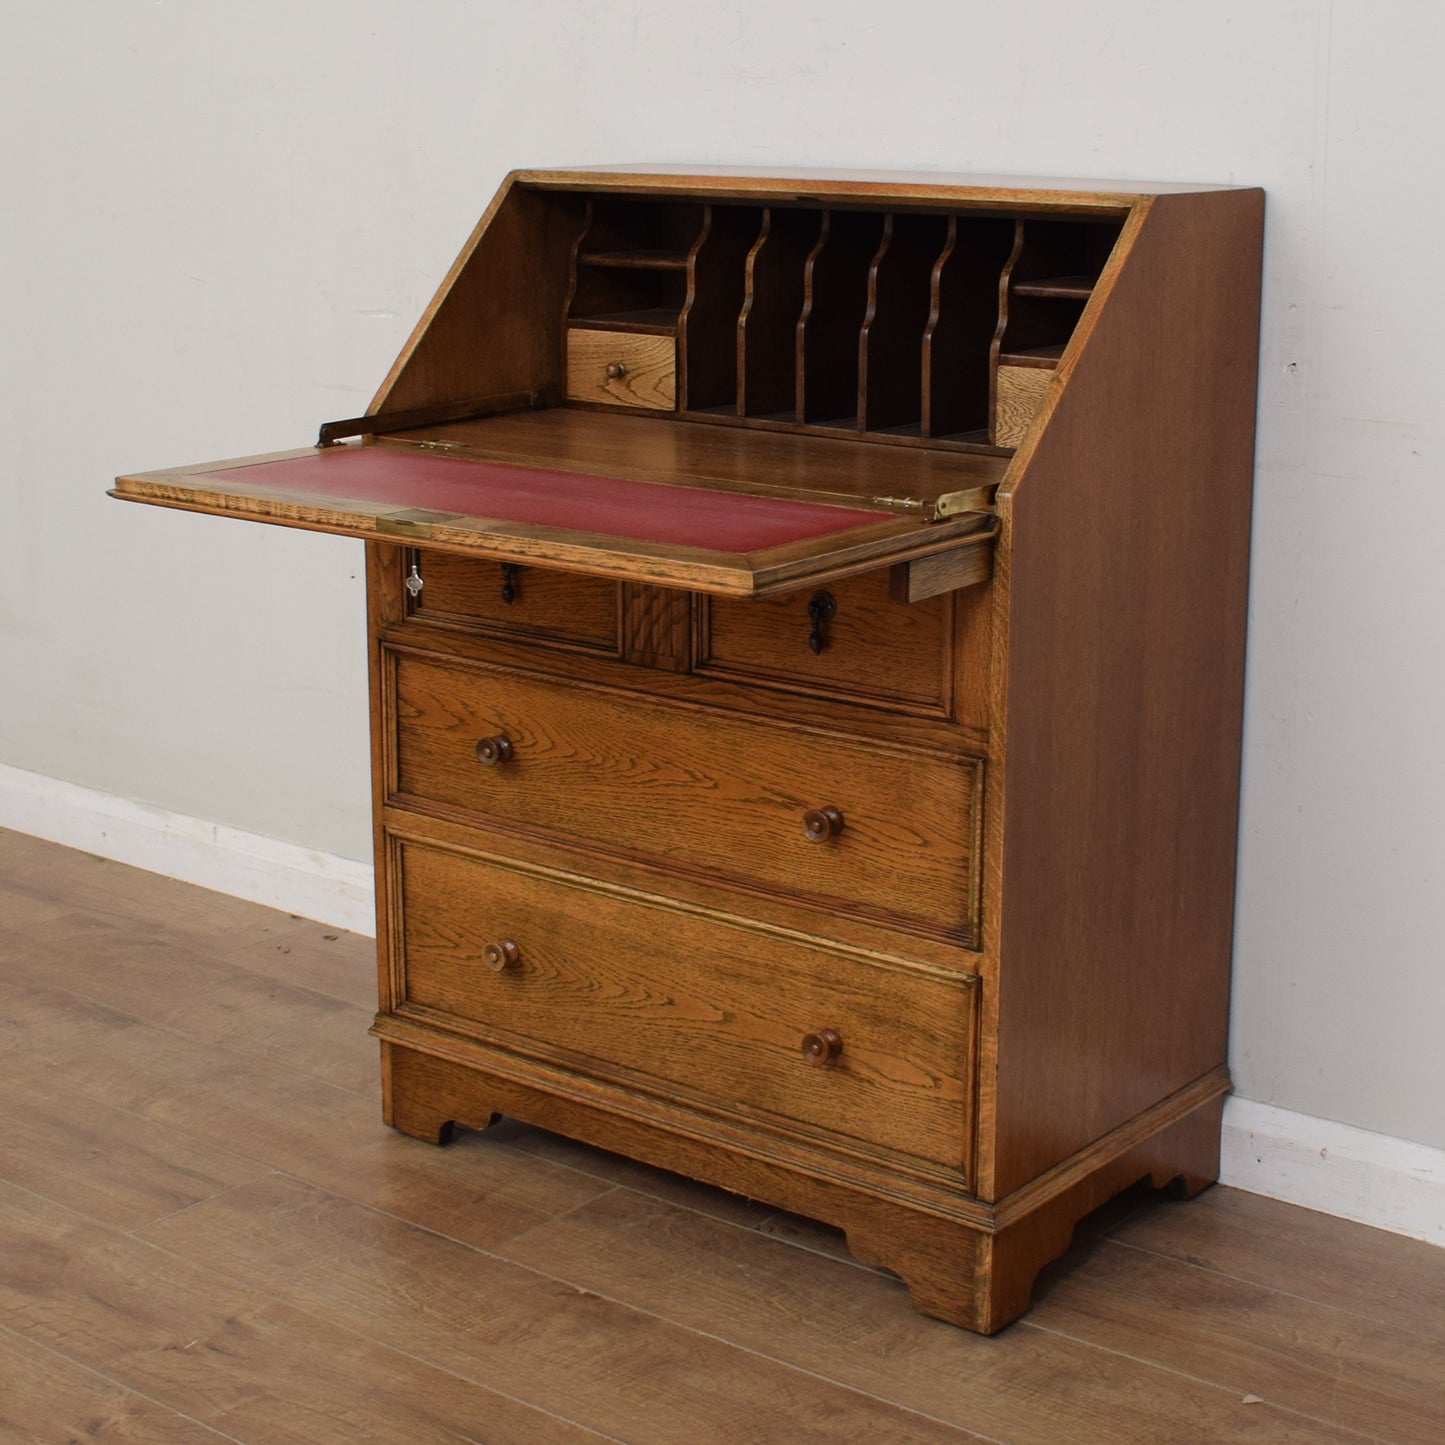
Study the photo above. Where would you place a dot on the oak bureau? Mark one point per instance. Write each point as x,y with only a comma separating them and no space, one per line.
807,630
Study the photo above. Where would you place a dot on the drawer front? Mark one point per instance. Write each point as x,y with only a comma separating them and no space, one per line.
622,368
836,822
532,603
623,987
850,640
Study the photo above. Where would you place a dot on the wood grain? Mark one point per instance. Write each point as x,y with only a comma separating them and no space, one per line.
507,286
49,1397
1128,621
876,648
620,369
238,1009
688,1006
831,1316
1019,396
1372,1377
657,627
269,1115
618,1370
1379,1276
547,607
221,1352
707,792
113,1165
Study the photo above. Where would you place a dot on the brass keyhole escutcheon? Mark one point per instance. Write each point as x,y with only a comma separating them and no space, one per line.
822,607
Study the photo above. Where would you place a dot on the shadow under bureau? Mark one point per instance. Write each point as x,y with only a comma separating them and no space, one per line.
807,630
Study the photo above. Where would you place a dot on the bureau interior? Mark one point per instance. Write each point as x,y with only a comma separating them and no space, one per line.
897,324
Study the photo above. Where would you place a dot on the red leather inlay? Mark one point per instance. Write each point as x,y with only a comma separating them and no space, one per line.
611,506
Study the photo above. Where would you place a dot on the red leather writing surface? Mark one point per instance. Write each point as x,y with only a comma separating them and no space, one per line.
611,506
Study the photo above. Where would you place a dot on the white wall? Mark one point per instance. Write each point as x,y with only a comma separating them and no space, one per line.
221,220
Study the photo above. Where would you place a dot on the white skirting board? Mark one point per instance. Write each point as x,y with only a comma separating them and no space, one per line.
338,891
1389,1183
1372,1178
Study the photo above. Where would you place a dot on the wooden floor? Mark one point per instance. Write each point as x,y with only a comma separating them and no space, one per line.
206,1233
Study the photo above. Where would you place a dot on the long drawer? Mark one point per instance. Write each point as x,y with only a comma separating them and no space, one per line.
839,822
794,1035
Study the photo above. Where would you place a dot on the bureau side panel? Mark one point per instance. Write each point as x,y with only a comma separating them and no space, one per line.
1124,680
495,324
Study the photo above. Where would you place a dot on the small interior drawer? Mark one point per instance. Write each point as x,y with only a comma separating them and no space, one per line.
831,821
623,986
622,368
532,603
850,640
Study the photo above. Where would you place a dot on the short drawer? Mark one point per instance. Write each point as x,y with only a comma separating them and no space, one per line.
836,821
778,1031
532,603
850,640
622,368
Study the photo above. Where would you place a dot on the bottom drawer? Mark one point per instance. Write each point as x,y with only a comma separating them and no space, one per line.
625,987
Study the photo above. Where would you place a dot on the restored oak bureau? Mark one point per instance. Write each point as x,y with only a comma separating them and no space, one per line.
807,629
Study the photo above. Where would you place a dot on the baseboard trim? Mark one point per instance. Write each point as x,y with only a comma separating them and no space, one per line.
1374,1179
330,889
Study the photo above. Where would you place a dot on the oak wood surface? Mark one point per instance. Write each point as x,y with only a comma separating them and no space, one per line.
1255,1312
1020,393
1120,731
874,646
508,285
741,694
617,368
785,463
684,1004
657,627
843,184
714,794
545,606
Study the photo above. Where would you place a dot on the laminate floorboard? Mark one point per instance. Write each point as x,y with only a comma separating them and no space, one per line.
47,1397
206,1233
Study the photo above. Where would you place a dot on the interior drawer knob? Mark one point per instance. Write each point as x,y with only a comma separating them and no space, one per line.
616,370
494,750
822,1047
501,954
820,824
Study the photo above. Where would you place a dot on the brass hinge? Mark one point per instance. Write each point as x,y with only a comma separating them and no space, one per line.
950,504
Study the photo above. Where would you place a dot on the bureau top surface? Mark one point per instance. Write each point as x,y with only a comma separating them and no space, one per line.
814,184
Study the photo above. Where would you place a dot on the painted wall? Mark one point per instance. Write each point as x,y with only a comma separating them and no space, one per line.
220,221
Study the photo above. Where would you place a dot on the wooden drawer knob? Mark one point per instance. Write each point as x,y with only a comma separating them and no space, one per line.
501,954
822,1047
820,824
616,370
494,750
